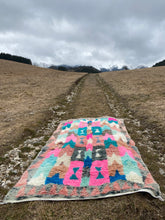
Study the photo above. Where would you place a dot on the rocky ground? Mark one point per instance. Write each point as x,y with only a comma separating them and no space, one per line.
91,96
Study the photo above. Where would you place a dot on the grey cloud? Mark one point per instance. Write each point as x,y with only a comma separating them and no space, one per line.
84,32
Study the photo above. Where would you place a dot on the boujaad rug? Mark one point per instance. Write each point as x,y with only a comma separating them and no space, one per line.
85,159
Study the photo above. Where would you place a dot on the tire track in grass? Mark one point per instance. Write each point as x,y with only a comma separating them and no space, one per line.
93,99
143,137
15,161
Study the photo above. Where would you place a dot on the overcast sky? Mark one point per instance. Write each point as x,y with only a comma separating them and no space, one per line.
101,33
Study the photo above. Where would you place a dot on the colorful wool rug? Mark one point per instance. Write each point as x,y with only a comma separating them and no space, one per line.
85,159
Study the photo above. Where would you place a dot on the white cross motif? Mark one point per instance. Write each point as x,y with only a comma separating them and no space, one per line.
82,131
79,154
97,130
97,153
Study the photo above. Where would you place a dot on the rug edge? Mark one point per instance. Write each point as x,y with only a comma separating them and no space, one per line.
76,199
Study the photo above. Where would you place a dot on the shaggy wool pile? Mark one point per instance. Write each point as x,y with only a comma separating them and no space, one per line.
85,159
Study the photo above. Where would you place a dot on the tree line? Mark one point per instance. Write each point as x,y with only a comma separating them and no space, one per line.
15,58
161,63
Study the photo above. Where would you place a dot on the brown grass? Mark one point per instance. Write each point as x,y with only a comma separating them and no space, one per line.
143,90
92,101
26,94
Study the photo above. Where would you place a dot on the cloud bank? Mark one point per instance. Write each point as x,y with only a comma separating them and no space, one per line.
99,33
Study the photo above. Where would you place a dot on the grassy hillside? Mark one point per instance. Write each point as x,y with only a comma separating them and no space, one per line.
132,95
26,94
142,90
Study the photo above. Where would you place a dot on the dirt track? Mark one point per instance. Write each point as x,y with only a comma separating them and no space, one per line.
91,102
91,97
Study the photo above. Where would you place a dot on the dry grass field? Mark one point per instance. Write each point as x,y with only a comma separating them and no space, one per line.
142,90
137,96
26,94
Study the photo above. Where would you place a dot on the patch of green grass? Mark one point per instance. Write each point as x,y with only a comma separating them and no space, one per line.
37,144
23,156
3,191
46,138
26,149
28,132
2,159
5,161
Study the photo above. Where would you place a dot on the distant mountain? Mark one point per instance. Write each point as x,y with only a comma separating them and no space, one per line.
86,69
104,69
116,68
61,67
91,69
161,63
141,67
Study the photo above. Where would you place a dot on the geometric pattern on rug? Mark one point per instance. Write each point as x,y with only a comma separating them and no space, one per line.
85,158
